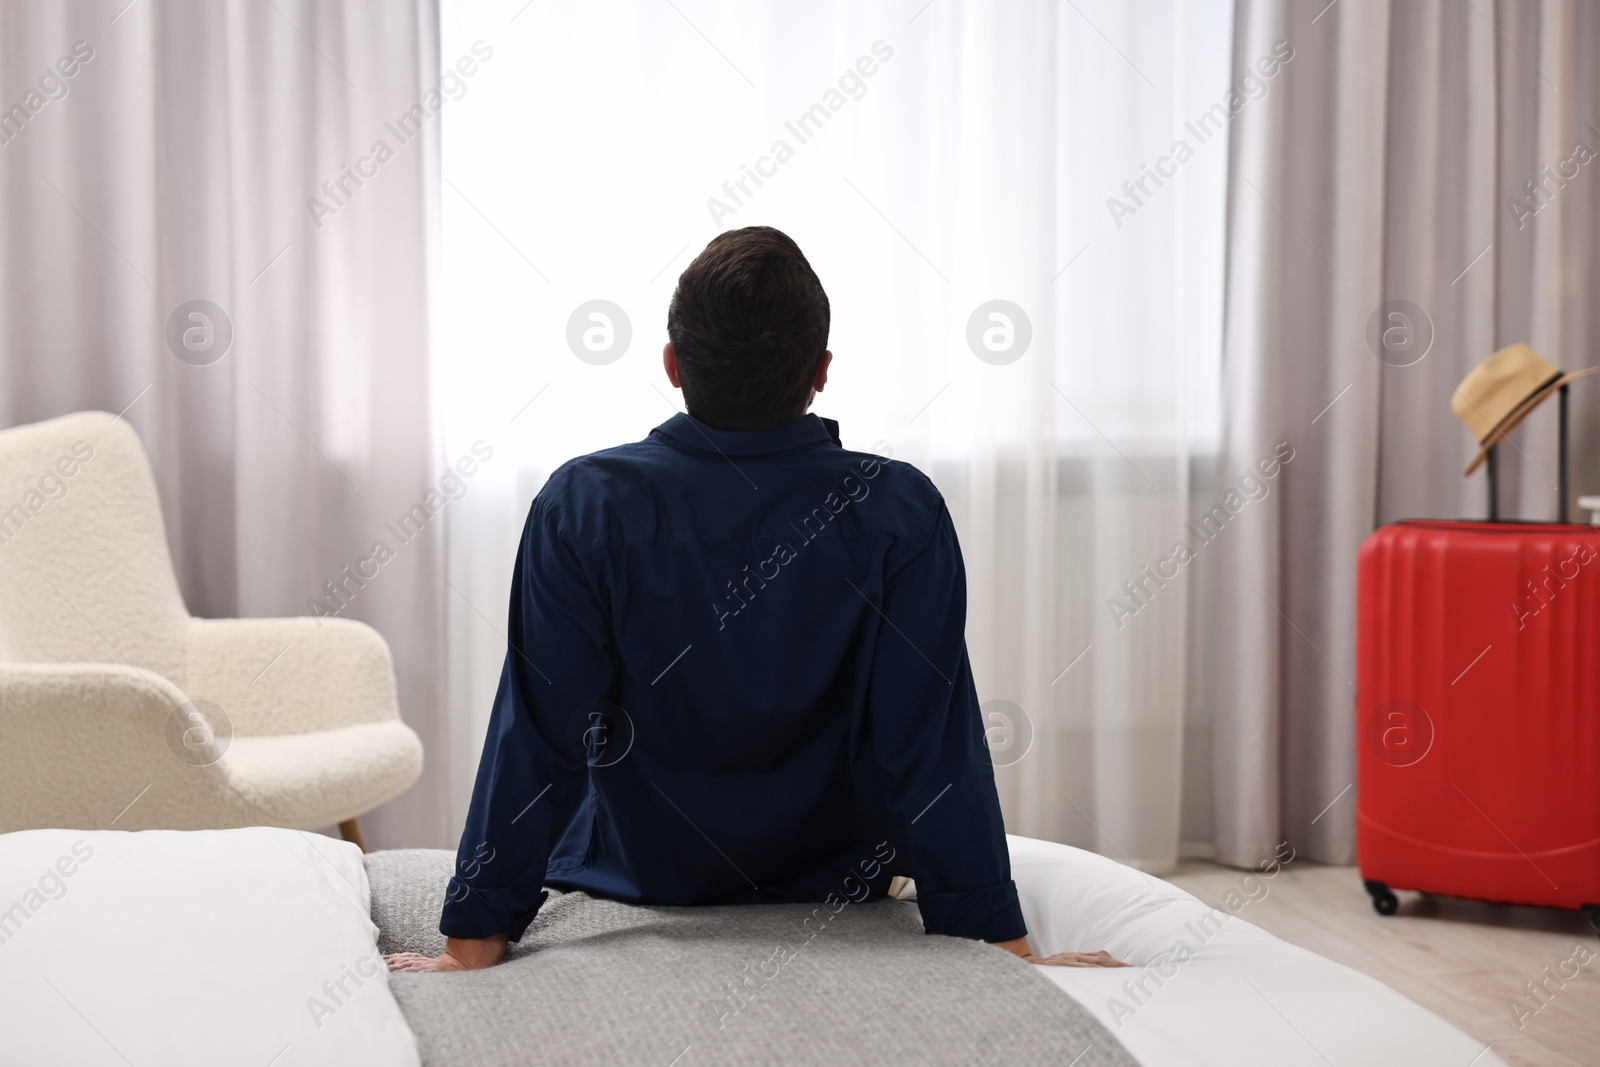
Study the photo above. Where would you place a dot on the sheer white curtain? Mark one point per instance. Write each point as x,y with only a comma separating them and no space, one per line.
930,159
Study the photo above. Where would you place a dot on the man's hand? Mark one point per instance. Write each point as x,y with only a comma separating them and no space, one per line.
1019,947
460,954
1098,958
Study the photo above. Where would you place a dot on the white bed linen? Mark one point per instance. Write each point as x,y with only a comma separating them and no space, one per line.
229,947
1242,997
241,947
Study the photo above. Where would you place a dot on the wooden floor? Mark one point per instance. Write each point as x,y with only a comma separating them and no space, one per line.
1462,960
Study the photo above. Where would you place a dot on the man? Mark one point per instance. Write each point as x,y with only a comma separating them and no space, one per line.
737,671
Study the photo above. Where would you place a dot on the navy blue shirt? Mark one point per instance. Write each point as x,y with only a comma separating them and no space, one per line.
737,674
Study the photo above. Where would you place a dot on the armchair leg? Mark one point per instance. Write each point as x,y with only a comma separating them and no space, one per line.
352,833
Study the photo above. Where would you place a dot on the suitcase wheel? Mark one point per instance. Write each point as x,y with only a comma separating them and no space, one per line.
1383,901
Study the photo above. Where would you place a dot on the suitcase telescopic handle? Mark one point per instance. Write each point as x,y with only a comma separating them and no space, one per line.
1492,467
1561,457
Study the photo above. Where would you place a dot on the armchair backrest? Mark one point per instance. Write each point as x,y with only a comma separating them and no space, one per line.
85,573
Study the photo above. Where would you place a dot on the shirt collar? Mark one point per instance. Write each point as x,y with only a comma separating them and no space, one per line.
690,431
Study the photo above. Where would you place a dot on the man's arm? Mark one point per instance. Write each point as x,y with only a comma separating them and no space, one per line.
928,738
928,735
557,676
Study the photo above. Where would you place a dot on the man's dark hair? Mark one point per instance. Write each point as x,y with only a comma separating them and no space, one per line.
748,323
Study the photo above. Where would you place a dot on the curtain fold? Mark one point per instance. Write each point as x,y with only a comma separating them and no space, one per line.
199,152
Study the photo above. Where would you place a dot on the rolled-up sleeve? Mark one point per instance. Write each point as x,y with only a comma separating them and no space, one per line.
558,675
928,736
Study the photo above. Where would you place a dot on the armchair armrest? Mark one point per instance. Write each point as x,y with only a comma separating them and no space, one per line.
81,742
291,676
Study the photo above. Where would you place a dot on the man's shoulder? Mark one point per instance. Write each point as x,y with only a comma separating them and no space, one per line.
917,500
636,462
618,461
586,484
874,493
894,475
597,497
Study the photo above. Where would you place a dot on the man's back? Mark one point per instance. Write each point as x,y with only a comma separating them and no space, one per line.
740,574
735,669
738,674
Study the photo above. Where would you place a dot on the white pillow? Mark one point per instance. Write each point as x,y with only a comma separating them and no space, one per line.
1077,901
250,947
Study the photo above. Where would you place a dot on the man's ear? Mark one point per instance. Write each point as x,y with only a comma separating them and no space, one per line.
822,372
669,362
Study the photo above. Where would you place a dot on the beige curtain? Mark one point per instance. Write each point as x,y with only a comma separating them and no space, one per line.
1486,110
1392,166
174,164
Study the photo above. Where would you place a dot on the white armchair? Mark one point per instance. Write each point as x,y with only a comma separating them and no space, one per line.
118,709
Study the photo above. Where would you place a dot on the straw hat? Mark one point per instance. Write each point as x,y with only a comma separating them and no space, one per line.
1499,393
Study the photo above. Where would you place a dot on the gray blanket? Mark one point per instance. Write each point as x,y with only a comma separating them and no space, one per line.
598,982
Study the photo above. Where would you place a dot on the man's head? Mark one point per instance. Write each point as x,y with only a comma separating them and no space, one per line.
748,326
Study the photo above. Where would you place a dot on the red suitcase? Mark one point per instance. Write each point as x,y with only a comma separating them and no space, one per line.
1478,707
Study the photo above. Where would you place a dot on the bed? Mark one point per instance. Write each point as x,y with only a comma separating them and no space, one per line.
259,947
